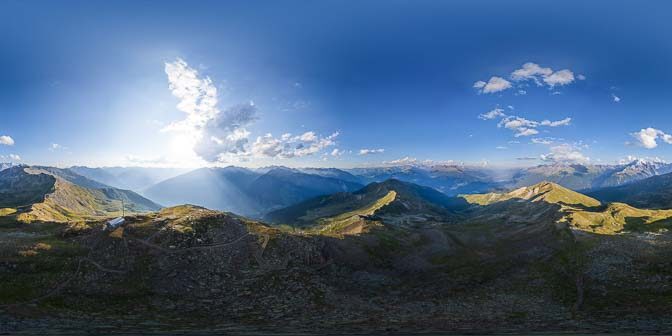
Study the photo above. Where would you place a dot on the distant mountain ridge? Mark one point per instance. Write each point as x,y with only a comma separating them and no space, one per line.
392,201
5,165
255,192
653,192
60,195
246,191
587,177
132,178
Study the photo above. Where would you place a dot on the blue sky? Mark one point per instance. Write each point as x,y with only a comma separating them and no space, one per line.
354,83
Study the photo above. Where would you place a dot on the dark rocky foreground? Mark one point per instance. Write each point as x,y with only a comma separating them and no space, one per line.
191,270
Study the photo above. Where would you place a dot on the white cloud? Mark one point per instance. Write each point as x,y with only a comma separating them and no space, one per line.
6,140
647,137
155,162
225,133
403,161
542,141
531,71
337,152
220,136
55,147
198,96
501,147
541,75
371,151
479,84
211,133
632,158
525,132
495,84
563,122
562,77
288,146
514,123
525,127
565,153
10,157
616,98
495,113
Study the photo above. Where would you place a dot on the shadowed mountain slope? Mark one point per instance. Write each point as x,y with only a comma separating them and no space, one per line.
133,178
56,195
392,201
653,192
244,191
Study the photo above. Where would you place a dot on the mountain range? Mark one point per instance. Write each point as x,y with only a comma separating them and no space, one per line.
59,195
256,192
132,178
342,250
589,177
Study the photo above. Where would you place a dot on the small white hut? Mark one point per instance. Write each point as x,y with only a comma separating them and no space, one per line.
114,223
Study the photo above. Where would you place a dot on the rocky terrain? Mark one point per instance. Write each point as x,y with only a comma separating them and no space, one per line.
513,263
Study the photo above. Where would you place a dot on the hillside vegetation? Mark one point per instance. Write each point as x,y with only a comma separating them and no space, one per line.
53,195
541,192
579,211
391,255
392,201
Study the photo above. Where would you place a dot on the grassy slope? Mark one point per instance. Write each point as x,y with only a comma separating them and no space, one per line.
347,222
545,191
583,212
47,197
618,217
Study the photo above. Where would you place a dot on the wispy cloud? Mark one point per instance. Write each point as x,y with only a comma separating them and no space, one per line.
615,98
10,157
543,141
288,146
495,113
403,161
563,122
519,125
541,76
366,151
56,147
